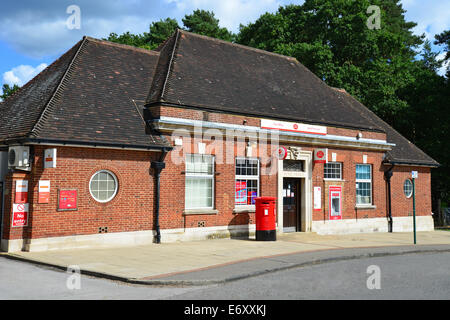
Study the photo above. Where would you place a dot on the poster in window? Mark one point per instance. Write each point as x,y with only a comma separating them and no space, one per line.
67,199
241,192
253,196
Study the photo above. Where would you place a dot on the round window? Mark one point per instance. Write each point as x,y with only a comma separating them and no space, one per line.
408,188
103,186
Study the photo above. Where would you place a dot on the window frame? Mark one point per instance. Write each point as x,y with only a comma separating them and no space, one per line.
194,175
411,184
246,177
340,171
116,189
370,181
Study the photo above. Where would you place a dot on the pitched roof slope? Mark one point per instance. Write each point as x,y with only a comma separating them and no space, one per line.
208,73
99,97
21,111
404,152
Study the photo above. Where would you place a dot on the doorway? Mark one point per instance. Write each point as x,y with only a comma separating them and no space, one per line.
291,205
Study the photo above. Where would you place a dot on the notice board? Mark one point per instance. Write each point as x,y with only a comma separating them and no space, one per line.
67,199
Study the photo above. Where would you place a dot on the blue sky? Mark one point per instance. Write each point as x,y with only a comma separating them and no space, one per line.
34,33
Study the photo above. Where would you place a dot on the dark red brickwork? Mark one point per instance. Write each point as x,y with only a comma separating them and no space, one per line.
249,121
132,209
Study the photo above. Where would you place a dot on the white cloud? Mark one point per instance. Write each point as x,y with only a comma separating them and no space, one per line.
432,16
443,70
231,13
20,75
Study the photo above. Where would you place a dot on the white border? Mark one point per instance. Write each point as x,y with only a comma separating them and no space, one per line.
115,191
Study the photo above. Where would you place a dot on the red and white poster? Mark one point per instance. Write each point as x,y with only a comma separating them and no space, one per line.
293,127
241,192
44,191
67,200
20,215
335,202
21,191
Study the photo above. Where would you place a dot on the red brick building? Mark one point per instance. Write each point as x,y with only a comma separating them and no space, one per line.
114,145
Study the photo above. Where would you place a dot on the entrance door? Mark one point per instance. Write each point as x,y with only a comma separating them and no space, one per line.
291,205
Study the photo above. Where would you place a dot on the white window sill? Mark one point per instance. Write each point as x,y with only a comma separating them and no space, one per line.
244,209
330,179
365,206
188,212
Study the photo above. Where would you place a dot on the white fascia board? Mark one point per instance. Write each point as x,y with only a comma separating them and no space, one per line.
170,124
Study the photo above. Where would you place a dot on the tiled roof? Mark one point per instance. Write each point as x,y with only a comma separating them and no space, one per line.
202,72
404,152
93,94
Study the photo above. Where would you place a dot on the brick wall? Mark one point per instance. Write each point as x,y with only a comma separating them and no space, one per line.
130,210
133,207
184,113
403,206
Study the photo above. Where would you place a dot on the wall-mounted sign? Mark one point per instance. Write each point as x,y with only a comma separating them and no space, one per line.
21,191
293,127
50,158
282,153
20,215
67,199
317,198
44,191
320,155
335,202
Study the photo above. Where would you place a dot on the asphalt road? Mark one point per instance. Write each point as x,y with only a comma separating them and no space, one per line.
409,276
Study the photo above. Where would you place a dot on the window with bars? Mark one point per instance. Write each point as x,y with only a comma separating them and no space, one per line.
199,181
247,181
333,170
363,184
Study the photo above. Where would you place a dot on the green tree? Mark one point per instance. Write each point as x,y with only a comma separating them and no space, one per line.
200,22
204,23
444,39
332,39
8,90
136,40
160,31
426,122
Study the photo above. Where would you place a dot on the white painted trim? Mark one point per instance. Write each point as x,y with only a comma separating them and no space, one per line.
169,124
306,191
348,226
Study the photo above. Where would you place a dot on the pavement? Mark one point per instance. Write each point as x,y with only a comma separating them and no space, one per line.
222,260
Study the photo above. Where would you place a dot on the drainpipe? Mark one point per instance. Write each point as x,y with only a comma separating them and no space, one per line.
158,166
388,175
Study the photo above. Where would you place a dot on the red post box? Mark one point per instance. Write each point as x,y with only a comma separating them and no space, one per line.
265,216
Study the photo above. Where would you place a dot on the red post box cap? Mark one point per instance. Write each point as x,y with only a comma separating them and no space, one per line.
266,199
